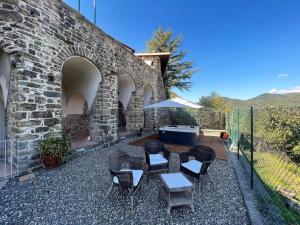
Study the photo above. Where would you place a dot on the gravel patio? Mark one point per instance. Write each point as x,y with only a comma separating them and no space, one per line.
73,194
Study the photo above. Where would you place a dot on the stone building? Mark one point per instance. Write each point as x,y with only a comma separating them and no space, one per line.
60,73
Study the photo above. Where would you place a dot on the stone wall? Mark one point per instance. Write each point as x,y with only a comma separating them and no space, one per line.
149,116
76,124
39,36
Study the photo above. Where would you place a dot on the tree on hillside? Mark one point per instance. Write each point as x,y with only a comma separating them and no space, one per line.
178,71
214,100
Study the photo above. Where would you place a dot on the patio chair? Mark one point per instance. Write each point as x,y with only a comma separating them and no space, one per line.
157,156
196,162
126,173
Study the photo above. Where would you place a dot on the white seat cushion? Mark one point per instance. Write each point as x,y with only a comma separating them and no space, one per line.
193,165
136,175
156,159
115,180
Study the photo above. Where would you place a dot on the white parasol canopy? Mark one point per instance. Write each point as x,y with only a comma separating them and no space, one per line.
174,103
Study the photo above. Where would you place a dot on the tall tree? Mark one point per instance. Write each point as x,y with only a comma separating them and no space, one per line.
214,100
178,71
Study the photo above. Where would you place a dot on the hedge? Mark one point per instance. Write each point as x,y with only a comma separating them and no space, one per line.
205,118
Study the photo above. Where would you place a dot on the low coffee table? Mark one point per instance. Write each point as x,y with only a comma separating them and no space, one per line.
177,190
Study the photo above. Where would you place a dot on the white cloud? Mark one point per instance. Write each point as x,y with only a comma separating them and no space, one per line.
282,75
285,91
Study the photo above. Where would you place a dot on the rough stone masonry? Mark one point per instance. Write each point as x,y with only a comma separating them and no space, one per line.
37,37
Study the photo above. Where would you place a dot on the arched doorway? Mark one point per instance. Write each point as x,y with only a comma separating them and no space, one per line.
80,83
126,87
148,113
121,117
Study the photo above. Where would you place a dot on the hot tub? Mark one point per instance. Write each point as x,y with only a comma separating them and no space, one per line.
181,134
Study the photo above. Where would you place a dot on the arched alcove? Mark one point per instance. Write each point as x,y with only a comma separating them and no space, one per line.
126,87
80,76
80,83
76,105
121,116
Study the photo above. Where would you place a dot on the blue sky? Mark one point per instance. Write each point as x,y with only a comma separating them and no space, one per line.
242,48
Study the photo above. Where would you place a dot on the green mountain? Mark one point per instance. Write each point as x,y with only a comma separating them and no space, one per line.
264,100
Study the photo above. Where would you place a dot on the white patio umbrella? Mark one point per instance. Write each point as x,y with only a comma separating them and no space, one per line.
174,103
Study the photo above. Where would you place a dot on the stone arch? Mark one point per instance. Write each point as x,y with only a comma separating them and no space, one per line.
80,86
80,76
126,90
126,86
70,51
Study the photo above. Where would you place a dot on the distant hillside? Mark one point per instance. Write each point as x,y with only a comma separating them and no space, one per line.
291,99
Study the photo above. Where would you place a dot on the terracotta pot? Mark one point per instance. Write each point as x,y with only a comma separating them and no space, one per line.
51,162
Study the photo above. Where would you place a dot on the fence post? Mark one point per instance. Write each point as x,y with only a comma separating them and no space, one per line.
229,122
5,156
11,159
238,133
251,145
18,158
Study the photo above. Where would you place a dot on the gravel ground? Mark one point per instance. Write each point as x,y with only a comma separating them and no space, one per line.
73,194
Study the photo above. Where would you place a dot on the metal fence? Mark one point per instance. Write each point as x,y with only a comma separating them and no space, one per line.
265,140
9,159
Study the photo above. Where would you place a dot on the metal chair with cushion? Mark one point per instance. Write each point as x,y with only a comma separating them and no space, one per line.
197,161
126,173
157,156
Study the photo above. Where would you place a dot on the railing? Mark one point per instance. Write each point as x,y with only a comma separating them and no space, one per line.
78,5
266,141
9,156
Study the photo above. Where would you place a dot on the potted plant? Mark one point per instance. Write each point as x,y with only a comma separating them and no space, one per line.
53,151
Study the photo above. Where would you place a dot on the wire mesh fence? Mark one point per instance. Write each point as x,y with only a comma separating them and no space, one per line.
13,157
268,141
8,159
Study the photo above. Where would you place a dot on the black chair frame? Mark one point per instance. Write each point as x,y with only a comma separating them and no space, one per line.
202,153
120,160
156,147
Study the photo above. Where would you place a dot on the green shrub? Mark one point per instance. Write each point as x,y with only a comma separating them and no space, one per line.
296,152
276,129
279,127
205,118
55,147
